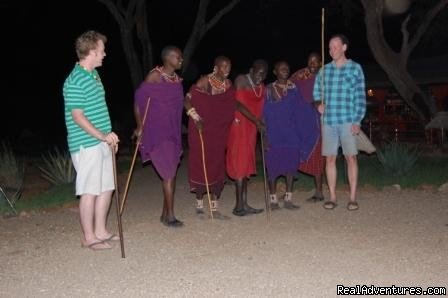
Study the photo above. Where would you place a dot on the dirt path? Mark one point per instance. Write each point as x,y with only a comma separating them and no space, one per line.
396,238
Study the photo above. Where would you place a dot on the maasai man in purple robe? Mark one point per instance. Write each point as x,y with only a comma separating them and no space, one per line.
161,133
291,134
304,79
211,106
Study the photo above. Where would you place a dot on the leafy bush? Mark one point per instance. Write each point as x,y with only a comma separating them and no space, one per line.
11,170
58,167
11,176
398,159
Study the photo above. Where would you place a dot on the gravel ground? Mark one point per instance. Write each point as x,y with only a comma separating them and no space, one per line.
396,238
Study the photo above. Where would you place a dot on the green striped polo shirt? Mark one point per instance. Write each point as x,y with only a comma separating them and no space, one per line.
83,90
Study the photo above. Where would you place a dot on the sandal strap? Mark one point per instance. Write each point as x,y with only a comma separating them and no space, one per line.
199,203
214,204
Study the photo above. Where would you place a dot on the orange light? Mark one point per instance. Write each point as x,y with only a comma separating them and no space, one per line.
370,93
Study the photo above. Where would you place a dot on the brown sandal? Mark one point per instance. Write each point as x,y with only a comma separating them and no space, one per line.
352,206
330,205
94,245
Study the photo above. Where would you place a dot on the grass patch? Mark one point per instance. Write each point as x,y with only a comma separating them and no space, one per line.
55,196
427,170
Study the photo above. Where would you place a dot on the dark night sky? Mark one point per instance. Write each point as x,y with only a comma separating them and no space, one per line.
39,37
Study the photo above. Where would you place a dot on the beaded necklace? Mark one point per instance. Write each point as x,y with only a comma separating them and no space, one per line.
169,78
216,83
253,87
283,87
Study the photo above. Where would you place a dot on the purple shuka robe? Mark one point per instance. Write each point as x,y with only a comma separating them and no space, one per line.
291,133
161,139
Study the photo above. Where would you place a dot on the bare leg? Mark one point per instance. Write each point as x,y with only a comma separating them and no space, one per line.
199,205
288,196
331,176
247,207
239,191
164,207
102,206
272,187
318,184
318,194
168,198
352,167
168,217
273,195
87,217
215,209
289,182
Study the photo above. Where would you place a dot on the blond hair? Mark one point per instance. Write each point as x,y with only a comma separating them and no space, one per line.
87,42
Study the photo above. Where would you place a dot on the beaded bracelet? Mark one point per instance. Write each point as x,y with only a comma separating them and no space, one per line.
191,111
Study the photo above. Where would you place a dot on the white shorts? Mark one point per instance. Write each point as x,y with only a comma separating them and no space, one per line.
94,169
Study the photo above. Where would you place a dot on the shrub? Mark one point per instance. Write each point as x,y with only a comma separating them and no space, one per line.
11,170
11,175
398,159
58,167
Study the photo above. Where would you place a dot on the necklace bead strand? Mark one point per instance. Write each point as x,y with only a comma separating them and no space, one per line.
253,87
216,83
169,78
283,87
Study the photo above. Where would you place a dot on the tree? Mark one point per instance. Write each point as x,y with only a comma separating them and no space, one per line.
393,62
132,19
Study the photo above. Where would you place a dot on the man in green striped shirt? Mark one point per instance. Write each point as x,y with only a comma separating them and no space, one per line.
90,140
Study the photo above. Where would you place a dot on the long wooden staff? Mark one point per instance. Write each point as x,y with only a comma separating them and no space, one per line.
266,197
117,202
205,174
139,138
322,77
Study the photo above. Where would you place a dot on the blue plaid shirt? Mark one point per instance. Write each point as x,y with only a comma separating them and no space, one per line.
344,93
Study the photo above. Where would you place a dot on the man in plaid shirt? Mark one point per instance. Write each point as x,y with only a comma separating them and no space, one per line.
342,109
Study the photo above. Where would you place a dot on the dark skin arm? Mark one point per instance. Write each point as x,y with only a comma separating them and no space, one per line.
152,77
202,84
319,106
243,110
242,83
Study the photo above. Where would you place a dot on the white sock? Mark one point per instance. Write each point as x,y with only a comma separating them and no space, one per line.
274,198
288,196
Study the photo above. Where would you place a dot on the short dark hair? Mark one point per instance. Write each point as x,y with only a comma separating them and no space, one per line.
280,62
315,54
342,37
168,50
260,63
220,59
87,42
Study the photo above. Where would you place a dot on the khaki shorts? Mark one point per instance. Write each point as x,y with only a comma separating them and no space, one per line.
94,170
336,136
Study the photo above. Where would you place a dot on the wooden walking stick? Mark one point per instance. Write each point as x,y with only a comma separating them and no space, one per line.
322,77
139,138
117,202
205,174
266,197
